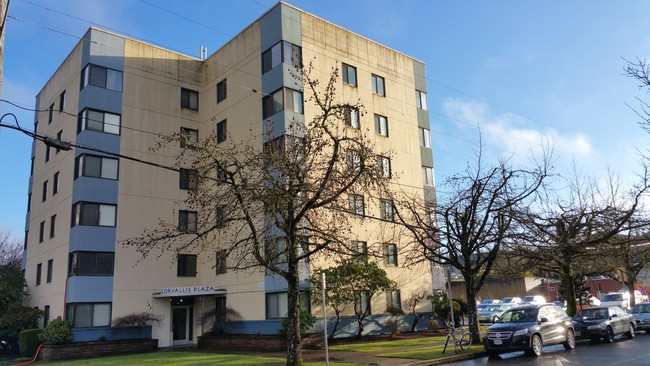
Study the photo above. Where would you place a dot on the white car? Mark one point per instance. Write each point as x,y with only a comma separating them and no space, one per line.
641,313
620,299
534,300
510,300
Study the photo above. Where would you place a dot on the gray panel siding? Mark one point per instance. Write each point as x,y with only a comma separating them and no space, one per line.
291,25
426,156
423,118
271,28
420,76
95,190
102,99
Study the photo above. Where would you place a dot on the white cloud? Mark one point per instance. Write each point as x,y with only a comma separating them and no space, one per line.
510,133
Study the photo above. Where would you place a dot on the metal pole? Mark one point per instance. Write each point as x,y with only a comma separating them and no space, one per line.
327,352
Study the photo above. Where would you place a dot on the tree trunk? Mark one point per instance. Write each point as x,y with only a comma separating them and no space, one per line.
630,288
472,314
416,319
570,294
336,323
360,323
294,347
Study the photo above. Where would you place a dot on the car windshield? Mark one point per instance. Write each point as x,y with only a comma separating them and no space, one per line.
519,316
641,308
592,314
527,298
613,297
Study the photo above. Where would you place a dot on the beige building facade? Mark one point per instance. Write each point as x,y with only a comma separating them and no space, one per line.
113,97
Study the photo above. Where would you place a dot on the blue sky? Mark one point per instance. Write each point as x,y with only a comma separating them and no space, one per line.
522,70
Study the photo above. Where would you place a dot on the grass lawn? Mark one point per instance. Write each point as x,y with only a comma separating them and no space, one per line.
182,358
389,345
431,353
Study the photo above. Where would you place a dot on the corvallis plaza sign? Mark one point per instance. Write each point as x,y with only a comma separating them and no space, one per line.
188,291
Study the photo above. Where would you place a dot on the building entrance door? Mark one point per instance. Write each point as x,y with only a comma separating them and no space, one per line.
181,322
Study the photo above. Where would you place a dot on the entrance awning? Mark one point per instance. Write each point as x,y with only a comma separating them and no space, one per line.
189,291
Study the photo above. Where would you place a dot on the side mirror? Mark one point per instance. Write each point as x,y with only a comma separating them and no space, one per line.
543,320
614,316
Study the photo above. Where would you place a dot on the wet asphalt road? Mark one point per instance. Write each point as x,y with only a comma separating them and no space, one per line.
622,352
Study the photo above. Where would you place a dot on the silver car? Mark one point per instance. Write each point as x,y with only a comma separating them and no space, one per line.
492,313
641,314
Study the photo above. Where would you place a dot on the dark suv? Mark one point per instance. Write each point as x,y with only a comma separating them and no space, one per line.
528,328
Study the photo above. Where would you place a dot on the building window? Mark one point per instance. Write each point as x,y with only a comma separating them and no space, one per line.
189,137
52,226
381,125
50,117
378,85
41,232
46,315
384,166
222,131
362,303
221,261
44,198
386,210
188,179
186,265
189,99
93,214
31,168
91,264
59,136
86,315
427,175
352,117
276,305
282,99
222,90
101,77
390,254
29,202
359,251
393,299
48,153
282,52
421,100
276,250
99,121
425,137
349,74
220,217
356,205
353,160
62,101
187,221
55,183
50,264
96,166
39,269
25,241
222,174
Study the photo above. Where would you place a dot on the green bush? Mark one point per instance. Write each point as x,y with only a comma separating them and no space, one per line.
15,319
57,332
28,341
307,320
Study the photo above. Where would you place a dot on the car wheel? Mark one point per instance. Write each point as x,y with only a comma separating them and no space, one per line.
609,335
630,333
570,342
647,331
535,346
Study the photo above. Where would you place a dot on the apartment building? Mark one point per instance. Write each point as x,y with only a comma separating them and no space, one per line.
114,95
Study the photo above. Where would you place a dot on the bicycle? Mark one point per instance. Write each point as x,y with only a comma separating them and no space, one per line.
461,339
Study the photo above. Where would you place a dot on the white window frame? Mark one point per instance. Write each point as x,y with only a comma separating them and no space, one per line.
427,176
421,100
425,137
349,74
381,125
110,122
356,204
378,85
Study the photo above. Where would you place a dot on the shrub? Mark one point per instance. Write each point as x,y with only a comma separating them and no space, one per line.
57,332
28,341
307,320
137,320
218,317
18,318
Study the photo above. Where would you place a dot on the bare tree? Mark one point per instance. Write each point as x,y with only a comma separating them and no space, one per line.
472,220
568,233
630,253
412,304
640,70
278,199
11,250
12,282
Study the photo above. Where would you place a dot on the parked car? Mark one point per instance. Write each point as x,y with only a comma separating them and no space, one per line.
620,299
492,313
604,322
641,314
535,300
489,301
511,300
528,328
